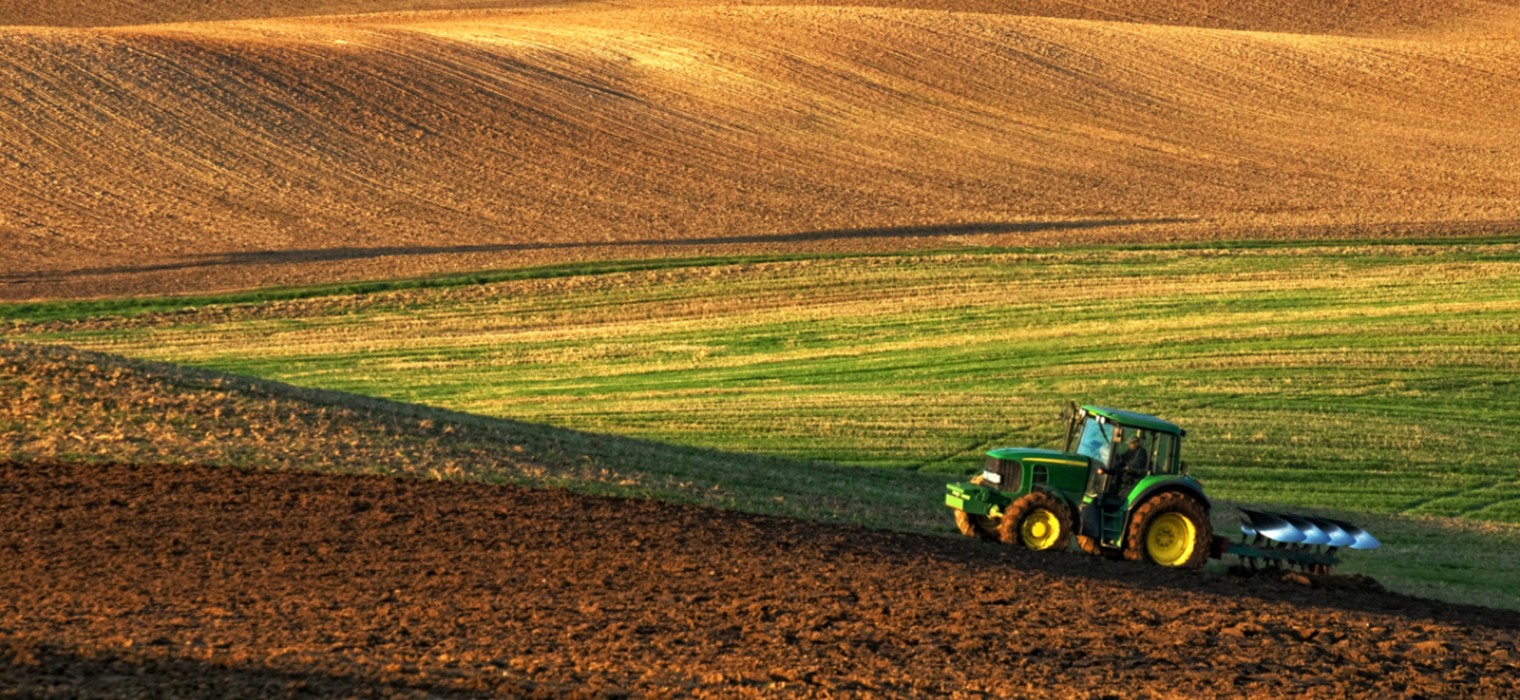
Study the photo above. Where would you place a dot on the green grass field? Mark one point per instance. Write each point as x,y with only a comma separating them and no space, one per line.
1370,379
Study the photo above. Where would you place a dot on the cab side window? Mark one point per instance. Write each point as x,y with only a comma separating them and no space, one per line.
1166,457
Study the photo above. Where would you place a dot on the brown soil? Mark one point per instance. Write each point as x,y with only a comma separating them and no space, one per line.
202,582
168,158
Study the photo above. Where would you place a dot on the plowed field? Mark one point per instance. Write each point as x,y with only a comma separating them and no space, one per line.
179,154
156,581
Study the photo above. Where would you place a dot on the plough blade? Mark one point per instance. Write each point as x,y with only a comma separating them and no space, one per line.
1362,539
1301,541
1289,528
1338,535
1272,527
1313,536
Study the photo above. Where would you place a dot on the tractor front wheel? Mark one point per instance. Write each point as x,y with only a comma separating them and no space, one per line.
1171,530
978,526
1038,521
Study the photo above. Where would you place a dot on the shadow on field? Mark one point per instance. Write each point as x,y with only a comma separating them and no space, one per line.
812,505
786,478
45,670
340,254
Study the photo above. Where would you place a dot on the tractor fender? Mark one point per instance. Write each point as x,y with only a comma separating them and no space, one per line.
1071,504
1158,483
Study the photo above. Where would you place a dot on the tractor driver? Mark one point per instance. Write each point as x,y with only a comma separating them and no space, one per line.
1130,467
1136,462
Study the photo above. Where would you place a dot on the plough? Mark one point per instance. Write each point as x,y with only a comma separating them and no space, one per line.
1285,540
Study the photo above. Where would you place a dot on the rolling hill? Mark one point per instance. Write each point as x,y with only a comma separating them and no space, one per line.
180,154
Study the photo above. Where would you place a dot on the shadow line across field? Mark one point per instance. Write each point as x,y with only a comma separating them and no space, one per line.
352,253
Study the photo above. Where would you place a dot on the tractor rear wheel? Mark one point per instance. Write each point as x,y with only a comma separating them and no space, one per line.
1038,521
1171,530
978,526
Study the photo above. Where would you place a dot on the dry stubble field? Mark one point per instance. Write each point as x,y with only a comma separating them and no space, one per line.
275,149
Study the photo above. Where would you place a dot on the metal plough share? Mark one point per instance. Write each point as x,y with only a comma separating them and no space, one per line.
1287,540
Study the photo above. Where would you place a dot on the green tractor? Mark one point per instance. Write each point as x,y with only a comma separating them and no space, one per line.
1119,485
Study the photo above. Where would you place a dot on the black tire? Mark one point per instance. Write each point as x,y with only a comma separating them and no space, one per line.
1173,543
978,526
1039,521
964,524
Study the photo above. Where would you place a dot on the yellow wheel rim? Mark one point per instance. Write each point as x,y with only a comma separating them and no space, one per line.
1170,539
1040,529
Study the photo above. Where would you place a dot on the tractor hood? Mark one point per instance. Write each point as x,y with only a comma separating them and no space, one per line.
1018,470
1035,454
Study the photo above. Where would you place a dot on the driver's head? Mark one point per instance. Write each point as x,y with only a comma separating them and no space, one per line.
1134,441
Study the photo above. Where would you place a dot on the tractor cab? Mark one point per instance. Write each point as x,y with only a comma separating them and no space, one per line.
1110,438
1131,458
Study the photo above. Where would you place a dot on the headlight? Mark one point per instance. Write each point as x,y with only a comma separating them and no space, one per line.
992,477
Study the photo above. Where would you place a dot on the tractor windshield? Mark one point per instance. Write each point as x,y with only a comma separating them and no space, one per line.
1097,440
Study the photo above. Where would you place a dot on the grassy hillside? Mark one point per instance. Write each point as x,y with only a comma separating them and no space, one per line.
1361,378
198,157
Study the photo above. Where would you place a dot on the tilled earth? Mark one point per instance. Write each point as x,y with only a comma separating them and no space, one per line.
202,582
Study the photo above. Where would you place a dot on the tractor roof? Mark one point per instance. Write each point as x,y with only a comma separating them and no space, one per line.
1137,420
